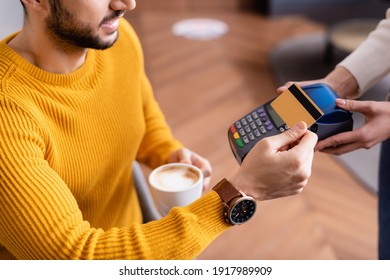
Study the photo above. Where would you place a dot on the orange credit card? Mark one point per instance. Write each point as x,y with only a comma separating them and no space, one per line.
294,105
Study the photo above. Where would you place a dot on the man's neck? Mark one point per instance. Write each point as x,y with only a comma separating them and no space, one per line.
47,55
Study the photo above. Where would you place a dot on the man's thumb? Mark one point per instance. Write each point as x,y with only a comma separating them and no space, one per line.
291,136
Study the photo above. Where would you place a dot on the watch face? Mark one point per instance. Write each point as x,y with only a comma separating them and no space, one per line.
242,210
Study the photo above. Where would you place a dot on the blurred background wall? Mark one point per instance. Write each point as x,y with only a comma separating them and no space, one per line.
329,11
324,11
11,17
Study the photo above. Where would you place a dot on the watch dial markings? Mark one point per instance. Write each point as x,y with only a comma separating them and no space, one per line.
242,211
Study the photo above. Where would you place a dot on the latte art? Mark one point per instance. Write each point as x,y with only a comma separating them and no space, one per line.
175,178
175,184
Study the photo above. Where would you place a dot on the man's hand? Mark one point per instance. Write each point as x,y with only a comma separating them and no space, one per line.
279,165
185,155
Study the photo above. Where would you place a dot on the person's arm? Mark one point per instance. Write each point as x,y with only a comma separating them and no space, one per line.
158,142
369,63
159,145
40,217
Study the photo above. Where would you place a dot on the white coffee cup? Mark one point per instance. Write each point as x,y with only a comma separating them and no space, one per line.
175,184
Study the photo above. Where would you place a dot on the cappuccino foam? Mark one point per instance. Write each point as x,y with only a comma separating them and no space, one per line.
175,178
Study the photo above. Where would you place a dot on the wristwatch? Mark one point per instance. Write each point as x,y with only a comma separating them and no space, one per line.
239,207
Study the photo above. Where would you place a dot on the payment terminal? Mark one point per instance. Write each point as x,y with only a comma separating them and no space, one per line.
314,104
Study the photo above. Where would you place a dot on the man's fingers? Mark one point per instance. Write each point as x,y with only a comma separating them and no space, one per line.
307,142
184,156
203,164
289,137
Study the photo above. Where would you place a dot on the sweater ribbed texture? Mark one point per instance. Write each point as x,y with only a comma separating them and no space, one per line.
67,143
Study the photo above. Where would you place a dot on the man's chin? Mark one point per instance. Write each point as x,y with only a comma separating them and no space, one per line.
109,41
106,44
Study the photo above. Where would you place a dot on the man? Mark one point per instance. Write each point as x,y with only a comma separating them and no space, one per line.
353,76
76,109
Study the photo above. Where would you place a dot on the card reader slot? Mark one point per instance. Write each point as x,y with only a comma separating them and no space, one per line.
336,116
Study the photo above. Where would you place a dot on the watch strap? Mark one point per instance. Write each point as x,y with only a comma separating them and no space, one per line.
226,191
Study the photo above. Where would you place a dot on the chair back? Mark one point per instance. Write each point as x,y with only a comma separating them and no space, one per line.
149,209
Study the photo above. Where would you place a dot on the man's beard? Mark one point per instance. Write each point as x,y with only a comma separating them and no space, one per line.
67,30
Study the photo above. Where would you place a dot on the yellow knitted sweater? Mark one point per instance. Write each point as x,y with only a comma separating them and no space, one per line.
67,143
